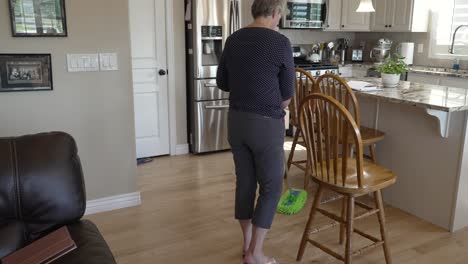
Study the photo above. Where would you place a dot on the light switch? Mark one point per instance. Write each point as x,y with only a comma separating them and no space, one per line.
82,62
108,62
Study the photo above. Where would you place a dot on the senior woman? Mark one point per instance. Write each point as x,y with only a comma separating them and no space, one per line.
257,69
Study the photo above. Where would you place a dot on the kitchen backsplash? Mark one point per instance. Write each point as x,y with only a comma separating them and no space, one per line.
420,59
308,37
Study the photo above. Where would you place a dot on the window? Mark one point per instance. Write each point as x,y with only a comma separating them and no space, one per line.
447,16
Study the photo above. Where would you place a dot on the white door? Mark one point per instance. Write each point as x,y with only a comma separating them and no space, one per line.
352,20
400,19
150,91
381,19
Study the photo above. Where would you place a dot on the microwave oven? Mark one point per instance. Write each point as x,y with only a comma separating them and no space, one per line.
304,14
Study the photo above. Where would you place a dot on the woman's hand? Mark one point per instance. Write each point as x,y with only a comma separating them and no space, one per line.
285,104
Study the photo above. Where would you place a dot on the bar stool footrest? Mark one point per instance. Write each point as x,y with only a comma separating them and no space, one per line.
323,228
367,248
326,249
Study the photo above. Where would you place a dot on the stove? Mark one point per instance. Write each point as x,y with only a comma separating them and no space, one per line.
315,69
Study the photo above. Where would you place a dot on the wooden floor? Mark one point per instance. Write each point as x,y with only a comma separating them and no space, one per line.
186,217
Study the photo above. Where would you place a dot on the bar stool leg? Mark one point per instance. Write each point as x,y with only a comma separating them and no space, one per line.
293,147
307,174
383,230
349,230
343,216
313,211
372,153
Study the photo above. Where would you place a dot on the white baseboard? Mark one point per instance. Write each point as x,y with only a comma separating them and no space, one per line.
182,149
113,203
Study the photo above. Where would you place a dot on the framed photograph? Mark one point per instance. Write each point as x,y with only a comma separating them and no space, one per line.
25,72
38,18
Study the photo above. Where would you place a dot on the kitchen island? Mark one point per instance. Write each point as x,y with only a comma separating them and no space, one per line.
426,145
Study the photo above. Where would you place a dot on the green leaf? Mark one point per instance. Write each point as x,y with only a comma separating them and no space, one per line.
393,65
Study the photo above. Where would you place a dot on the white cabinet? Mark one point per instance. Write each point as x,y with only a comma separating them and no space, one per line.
400,16
333,21
380,19
352,20
342,16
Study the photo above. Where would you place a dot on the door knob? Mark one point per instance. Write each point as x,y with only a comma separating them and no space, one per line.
162,72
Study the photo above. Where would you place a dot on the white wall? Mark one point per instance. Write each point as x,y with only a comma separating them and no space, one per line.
180,80
96,108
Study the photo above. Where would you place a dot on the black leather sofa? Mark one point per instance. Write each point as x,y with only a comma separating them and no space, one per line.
42,189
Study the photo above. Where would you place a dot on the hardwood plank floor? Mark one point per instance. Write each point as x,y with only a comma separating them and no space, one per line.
187,217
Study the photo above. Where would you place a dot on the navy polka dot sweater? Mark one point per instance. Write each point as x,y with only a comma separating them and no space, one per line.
257,68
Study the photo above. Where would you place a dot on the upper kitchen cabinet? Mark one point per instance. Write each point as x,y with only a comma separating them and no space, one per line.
342,16
333,19
400,16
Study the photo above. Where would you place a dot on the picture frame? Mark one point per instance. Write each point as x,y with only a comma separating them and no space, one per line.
38,18
25,72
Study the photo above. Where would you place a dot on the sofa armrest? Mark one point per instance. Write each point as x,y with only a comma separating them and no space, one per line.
91,246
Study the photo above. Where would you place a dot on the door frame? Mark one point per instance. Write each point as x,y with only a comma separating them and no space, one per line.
171,77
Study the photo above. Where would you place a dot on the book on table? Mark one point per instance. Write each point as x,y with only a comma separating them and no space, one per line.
363,86
44,250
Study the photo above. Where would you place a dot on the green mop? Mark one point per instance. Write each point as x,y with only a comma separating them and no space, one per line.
293,200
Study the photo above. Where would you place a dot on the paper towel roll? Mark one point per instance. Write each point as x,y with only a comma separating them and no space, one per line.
406,50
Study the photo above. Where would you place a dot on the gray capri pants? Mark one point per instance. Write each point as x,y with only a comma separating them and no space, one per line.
257,145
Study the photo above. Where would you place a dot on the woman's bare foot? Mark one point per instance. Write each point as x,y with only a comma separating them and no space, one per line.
250,258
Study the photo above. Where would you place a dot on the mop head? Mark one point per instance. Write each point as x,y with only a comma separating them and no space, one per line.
292,201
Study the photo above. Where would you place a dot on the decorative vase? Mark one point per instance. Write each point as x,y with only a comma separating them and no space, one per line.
390,80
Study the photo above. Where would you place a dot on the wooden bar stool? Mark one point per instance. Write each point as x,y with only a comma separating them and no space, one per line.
303,85
326,125
337,88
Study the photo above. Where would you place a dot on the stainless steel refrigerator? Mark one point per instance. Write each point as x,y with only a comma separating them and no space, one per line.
208,24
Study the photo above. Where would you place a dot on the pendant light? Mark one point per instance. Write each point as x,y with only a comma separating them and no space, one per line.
365,6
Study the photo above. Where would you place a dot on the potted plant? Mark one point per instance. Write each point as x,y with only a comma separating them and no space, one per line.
392,69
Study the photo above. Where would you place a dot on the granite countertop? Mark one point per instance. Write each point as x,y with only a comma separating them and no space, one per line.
446,72
440,71
447,99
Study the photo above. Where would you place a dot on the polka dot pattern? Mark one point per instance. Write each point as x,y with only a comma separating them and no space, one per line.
257,68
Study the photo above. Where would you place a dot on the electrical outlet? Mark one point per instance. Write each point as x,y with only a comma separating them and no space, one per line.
420,48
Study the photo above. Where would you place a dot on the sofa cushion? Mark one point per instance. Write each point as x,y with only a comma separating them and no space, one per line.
41,182
91,246
12,237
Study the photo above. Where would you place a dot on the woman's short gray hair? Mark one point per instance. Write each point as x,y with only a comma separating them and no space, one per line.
267,8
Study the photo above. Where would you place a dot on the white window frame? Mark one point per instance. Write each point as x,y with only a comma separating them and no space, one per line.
438,51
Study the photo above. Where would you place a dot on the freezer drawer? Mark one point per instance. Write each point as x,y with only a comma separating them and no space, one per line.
208,90
210,126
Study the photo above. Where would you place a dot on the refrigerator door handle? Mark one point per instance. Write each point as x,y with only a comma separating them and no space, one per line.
237,15
208,85
231,17
217,107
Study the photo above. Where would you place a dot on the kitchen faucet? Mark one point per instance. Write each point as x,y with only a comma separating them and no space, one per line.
453,39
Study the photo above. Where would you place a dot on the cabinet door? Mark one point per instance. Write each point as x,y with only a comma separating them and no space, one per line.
333,21
401,17
352,20
381,19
